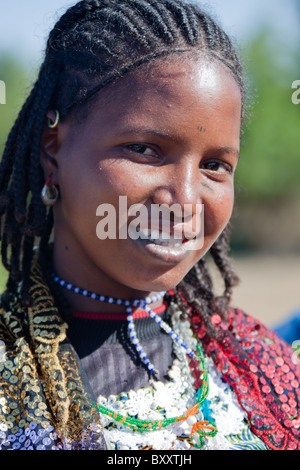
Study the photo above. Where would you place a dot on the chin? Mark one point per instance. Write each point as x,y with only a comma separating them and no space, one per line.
163,283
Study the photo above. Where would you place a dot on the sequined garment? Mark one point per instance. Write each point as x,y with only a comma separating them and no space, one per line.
260,369
46,401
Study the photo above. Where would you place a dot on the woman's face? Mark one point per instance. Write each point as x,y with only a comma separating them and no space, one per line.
166,134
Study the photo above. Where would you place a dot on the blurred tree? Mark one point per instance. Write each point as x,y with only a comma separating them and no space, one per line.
17,85
270,154
16,80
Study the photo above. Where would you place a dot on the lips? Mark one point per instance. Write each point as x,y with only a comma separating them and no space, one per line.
166,247
160,238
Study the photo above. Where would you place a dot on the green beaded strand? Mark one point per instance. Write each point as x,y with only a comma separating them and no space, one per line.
154,425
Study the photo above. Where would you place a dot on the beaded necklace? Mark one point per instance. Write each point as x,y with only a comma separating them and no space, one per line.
129,304
199,428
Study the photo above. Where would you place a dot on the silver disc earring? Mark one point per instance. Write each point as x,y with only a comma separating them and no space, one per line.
49,193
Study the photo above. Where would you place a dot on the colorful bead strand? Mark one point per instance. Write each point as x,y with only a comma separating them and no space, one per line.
202,428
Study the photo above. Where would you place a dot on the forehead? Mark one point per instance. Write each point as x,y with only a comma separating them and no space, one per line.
165,80
174,96
167,101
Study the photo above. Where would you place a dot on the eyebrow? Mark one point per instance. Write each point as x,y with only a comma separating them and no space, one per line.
228,149
148,130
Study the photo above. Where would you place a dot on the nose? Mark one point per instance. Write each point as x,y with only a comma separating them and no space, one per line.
181,193
180,187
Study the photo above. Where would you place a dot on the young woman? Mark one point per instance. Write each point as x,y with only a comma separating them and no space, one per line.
111,334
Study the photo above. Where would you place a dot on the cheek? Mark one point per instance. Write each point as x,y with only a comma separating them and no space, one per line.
217,211
89,185
76,213
102,185
116,177
123,179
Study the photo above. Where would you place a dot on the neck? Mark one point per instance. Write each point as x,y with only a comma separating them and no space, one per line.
76,271
78,302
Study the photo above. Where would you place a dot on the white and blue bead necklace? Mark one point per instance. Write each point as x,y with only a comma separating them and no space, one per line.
130,304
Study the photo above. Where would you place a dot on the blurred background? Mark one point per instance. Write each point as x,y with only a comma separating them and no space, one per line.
266,220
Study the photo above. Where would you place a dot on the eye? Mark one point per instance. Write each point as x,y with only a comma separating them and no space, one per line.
219,167
142,149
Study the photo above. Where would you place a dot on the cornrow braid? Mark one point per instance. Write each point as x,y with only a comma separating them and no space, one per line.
93,44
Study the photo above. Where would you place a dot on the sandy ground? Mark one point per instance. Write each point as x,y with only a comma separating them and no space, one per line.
269,288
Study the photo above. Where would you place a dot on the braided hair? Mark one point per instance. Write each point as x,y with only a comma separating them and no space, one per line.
93,44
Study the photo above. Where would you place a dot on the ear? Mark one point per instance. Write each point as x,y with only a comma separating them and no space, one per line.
50,144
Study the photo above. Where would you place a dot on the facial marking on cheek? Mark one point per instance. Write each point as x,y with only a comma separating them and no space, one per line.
201,129
207,187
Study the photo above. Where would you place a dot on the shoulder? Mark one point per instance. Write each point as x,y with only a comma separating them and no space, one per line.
25,422
266,350
13,323
265,374
249,330
243,325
